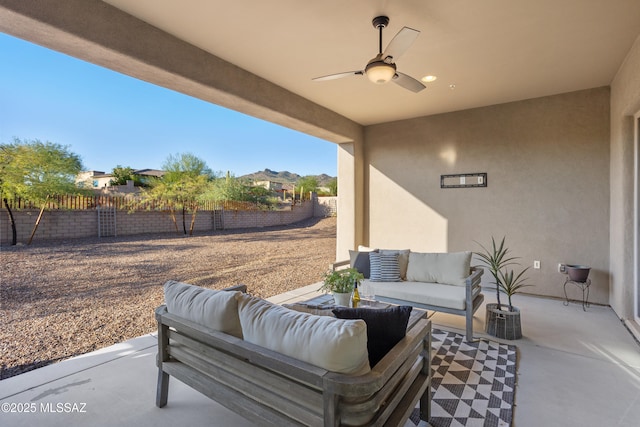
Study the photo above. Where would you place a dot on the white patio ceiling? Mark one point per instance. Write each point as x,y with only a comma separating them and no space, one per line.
493,51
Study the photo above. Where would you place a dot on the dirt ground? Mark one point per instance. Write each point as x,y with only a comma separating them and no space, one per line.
62,299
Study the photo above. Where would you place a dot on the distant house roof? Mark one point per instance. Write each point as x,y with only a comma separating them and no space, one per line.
94,173
150,172
142,172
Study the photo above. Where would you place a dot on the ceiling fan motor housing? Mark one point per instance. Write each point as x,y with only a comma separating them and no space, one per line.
379,71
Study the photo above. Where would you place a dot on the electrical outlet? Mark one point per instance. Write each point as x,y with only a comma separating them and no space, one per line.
536,265
562,268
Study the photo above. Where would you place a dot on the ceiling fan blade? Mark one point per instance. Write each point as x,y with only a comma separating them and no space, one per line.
400,43
338,75
408,82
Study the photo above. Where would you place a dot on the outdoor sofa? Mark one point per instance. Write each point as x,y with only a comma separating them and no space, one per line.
280,367
443,282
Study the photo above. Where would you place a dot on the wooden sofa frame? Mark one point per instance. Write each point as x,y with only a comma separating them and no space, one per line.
471,304
272,389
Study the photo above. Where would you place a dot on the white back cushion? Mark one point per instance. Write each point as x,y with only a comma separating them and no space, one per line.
215,309
333,344
450,268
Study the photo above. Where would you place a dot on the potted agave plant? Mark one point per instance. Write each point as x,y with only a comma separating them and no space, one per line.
503,320
341,284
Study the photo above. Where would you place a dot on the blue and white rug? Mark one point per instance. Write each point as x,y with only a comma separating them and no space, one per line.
473,384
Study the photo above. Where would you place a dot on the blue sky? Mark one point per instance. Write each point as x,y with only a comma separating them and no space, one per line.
111,119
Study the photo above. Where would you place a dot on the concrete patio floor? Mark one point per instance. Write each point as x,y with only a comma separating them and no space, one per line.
575,368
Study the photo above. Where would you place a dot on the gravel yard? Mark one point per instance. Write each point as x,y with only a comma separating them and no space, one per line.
62,299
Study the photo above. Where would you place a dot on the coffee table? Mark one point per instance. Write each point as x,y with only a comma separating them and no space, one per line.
323,304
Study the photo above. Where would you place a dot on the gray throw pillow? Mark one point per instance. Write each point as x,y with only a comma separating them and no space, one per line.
360,261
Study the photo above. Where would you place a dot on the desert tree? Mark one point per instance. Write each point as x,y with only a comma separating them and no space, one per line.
186,183
231,188
122,174
36,171
333,186
306,184
6,155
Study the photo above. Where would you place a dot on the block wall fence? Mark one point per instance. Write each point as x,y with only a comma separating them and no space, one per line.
77,224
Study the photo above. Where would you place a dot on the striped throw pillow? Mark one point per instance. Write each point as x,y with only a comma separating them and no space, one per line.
384,267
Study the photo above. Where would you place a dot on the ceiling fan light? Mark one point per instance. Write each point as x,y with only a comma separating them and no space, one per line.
380,72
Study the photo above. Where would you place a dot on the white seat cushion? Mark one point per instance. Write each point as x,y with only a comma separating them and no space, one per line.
436,294
336,345
214,309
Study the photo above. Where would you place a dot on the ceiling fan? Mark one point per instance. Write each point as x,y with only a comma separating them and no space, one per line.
382,68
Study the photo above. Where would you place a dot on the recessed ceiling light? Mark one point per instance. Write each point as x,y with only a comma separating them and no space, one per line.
429,79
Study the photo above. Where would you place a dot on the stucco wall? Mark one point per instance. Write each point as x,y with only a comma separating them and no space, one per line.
351,205
625,102
547,161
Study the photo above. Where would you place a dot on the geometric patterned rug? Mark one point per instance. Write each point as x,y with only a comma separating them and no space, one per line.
473,384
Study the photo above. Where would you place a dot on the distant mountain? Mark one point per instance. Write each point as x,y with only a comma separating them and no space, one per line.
284,177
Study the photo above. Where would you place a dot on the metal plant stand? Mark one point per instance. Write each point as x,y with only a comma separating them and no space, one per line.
584,286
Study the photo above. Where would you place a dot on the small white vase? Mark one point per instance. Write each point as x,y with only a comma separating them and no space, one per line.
343,299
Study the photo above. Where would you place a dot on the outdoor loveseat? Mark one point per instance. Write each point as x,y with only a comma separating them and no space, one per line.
276,366
443,282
